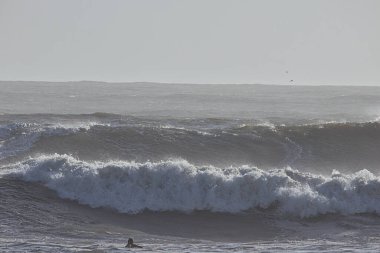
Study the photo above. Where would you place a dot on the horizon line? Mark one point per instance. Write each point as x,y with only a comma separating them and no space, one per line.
188,83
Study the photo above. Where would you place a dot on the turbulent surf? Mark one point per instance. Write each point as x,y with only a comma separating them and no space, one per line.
268,168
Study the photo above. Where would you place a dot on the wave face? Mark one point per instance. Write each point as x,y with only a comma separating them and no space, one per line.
180,186
16,138
319,146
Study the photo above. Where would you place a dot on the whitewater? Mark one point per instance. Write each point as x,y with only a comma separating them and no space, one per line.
180,186
196,168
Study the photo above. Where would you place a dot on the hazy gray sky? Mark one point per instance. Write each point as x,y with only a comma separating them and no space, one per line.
197,41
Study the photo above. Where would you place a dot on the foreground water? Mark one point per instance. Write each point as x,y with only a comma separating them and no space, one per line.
193,168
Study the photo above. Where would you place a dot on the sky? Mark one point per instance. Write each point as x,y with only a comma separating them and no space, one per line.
314,42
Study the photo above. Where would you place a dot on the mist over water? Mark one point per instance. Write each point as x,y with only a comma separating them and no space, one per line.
271,163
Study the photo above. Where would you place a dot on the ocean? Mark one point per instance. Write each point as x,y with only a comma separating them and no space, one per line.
189,167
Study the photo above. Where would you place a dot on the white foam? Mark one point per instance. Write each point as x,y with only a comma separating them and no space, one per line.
204,133
178,185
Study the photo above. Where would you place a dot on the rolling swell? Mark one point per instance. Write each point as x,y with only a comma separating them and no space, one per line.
180,186
323,147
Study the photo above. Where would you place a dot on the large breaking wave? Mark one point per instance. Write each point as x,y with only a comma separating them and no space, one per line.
176,185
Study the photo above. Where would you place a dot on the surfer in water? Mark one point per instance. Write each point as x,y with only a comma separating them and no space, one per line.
131,244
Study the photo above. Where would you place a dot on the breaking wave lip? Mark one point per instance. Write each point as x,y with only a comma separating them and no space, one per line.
176,185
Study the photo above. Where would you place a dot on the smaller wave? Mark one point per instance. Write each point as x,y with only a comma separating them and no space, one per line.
16,138
177,185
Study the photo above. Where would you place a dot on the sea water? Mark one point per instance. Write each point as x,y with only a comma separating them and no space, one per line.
188,168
